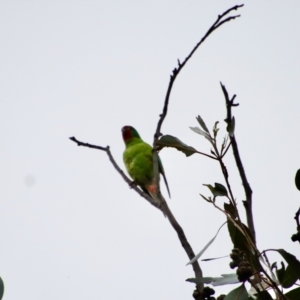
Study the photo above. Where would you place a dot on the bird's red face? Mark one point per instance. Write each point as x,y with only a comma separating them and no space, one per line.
128,132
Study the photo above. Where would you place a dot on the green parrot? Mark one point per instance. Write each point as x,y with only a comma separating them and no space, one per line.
138,162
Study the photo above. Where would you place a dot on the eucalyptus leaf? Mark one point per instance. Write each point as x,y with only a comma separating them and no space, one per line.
286,276
239,293
229,208
174,142
293,263
239,241
205,247
214,258
226,279
201,132
206,280
202,124
217,190
216,281
221,189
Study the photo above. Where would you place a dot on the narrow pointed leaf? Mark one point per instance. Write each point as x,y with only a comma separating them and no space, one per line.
286,277
202,124
216,281
173,142
226,279
239,241
214,258
239,293
297,179
211,188
229,208
293,263
206,280
217,190
201,132
205,247
280,272
293,294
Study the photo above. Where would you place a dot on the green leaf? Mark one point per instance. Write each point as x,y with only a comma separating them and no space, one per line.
216,281
206,280
173,142
293,263
205,247
214,258
226,279
229,208
286,277
202,124
201,132
239,241
280,272
1,288
239,293
221,189
293,294
217,190
297,179
263,295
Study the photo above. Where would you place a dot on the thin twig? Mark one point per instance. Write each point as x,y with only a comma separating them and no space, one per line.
177,70
183,240
248,191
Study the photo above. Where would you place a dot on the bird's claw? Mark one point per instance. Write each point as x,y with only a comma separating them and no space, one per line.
132,184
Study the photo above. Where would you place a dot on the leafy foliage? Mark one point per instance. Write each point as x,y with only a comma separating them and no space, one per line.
174,142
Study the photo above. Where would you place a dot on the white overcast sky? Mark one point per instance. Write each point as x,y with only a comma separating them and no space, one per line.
70,227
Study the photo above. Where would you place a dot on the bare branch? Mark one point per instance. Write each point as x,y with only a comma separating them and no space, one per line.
183,240
219,22
248,191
